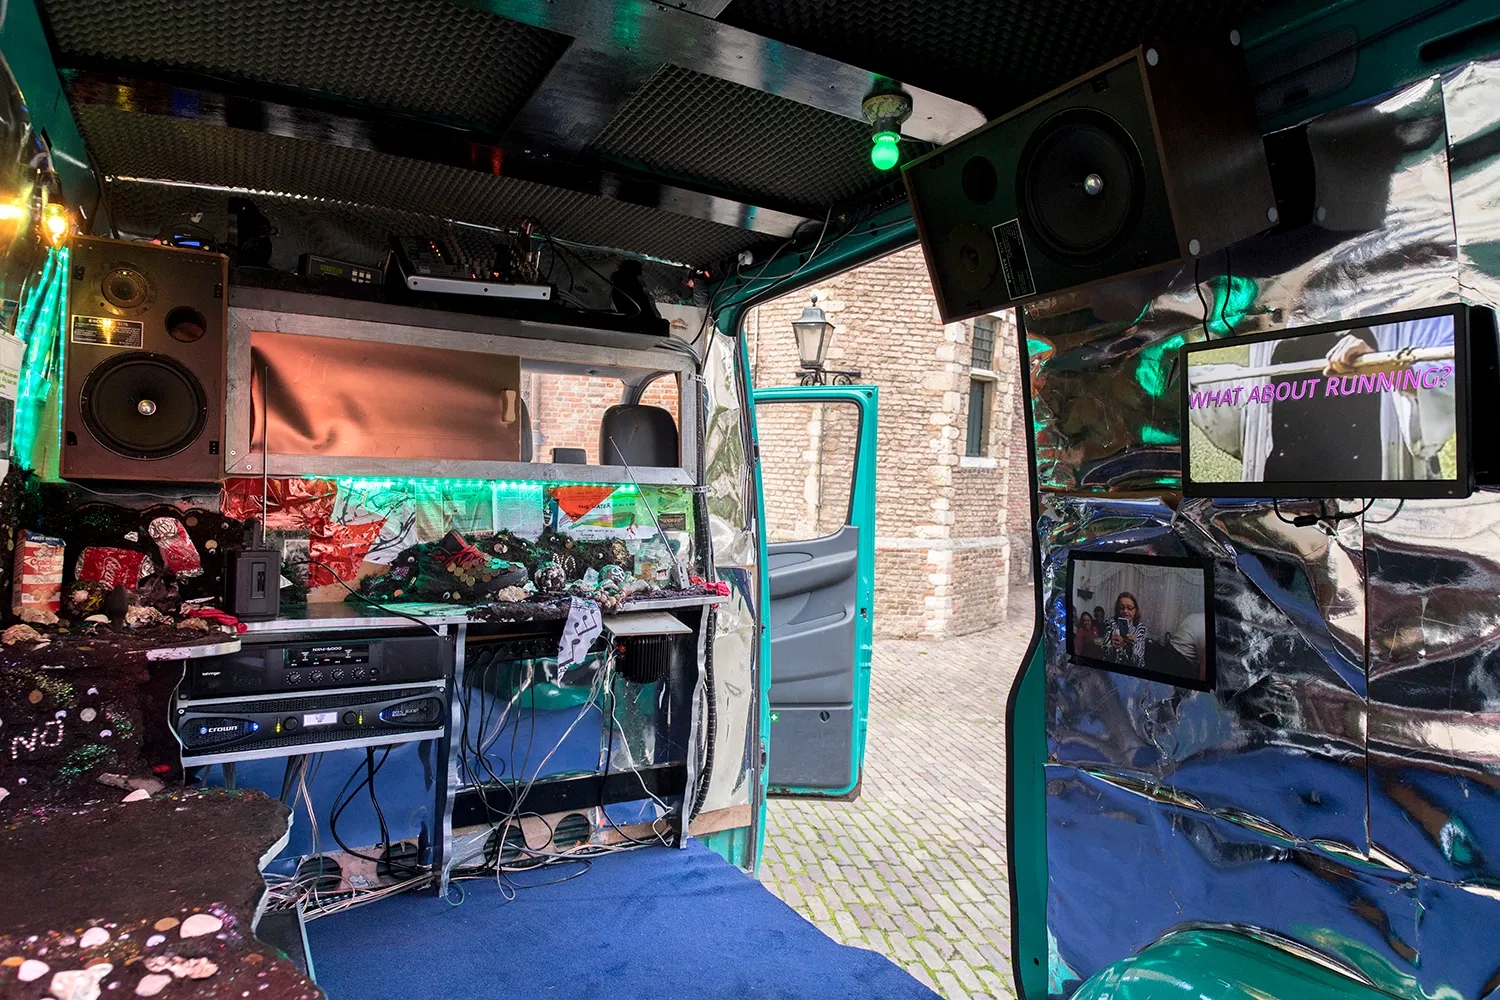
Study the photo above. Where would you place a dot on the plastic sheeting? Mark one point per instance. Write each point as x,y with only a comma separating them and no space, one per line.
1339,791
735,553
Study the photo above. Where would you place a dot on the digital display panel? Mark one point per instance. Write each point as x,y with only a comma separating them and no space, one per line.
1150,616
320,719
1369,408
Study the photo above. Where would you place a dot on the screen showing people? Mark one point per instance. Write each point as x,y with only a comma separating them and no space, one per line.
1142,615
1314,410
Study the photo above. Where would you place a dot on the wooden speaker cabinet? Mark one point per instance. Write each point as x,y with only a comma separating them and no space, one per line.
1151,158
144,368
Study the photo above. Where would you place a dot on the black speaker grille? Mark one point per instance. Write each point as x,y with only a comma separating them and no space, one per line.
143,405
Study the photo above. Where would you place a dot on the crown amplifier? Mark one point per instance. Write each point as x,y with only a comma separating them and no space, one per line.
220,730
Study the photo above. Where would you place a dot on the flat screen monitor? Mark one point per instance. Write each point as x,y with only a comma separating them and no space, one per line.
1148,616
1375,407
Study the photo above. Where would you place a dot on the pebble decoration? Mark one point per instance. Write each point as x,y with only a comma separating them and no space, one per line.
93,937
153,984
76,984
200,924
31,969
138,795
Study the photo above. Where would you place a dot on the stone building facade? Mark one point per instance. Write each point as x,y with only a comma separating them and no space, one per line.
952,500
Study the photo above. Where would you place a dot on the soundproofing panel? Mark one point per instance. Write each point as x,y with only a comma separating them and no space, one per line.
442,60
129,144
996,54
739,139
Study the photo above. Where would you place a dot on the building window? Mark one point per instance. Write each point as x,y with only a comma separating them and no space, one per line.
981,387
977,443
983,355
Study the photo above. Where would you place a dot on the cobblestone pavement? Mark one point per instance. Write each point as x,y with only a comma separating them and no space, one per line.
915,868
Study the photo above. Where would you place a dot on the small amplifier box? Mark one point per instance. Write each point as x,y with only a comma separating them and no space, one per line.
333,662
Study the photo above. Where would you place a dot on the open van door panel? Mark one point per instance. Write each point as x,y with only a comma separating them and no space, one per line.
817,477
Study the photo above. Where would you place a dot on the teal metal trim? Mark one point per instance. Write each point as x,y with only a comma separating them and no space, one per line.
810,261
731,845
1026,756
862,516
1394,38
23,41
1225,966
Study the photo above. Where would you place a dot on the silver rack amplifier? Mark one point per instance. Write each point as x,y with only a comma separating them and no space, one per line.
253,727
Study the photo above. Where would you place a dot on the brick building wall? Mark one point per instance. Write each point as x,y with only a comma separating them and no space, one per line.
565,408
943,519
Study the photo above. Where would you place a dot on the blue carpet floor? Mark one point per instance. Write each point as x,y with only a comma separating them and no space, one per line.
655,923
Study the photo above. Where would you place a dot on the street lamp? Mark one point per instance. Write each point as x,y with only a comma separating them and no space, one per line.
814,333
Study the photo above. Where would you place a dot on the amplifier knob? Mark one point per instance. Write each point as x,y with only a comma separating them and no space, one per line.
336,675
316,677
351,718
291,724
294,677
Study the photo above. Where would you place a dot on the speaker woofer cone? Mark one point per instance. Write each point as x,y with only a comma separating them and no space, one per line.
1081,186
143,405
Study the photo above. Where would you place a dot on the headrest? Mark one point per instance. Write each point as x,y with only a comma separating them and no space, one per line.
640,435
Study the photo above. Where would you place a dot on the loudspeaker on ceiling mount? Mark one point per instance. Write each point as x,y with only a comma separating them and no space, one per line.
144,372
1150,159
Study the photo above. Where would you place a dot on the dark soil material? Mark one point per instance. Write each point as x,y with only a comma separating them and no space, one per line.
139,870
182,850
96,646
86,705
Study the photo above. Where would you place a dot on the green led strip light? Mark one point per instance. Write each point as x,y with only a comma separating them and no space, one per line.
379,483
42,324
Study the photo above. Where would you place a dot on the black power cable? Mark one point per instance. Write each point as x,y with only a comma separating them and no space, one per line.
340,803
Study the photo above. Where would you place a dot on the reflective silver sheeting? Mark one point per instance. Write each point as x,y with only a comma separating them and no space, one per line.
1340,789
727,480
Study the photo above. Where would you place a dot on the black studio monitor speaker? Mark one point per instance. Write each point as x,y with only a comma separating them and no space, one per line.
1150,159
145,362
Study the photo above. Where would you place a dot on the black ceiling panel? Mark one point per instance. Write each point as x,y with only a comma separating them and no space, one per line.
429,57
132,144
994,54
764,148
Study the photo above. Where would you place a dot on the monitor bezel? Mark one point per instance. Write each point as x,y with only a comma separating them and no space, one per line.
1395,489
1210,662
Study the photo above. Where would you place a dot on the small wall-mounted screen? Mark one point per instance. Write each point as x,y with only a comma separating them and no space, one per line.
1366,408
1150,616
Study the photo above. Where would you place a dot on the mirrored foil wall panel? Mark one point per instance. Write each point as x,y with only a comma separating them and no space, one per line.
1435,687
1278,745
1338,791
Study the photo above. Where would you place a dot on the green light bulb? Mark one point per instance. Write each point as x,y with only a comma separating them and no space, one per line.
885,154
